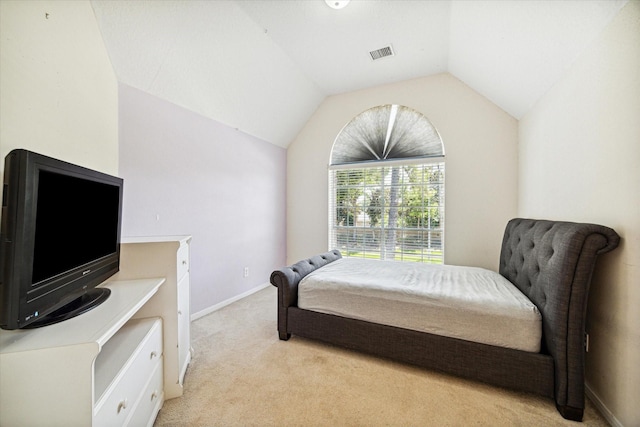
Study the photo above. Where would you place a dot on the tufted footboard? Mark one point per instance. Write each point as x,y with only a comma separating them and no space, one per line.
286,280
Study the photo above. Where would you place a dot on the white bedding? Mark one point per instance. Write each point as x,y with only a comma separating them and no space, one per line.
469,303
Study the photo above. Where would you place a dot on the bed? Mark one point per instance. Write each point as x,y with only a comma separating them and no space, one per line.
550,262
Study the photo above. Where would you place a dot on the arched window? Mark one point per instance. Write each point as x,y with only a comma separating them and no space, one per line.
386,184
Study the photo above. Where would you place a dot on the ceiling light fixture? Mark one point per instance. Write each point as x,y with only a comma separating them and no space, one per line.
337,4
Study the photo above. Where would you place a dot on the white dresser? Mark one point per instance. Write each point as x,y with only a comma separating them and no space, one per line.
168,257
98,369
113,365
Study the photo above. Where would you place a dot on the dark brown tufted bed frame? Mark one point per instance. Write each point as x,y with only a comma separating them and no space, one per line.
549,261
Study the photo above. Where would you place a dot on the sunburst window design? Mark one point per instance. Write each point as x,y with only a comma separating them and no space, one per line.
384,133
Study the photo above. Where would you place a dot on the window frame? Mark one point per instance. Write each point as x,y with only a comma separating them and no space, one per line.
426,254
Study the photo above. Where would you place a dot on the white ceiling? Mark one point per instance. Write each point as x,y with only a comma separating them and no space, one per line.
264,66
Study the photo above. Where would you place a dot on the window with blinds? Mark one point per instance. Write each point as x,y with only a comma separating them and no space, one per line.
386,187
393,212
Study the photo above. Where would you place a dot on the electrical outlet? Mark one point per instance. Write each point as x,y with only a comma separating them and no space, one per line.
245,273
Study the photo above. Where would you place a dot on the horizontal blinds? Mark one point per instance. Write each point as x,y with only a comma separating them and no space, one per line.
393,210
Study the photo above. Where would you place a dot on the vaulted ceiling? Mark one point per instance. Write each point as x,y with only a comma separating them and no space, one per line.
264,66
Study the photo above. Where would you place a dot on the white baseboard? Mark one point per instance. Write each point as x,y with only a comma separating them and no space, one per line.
597,402
225,303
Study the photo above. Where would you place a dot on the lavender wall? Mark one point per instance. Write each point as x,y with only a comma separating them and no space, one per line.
187,174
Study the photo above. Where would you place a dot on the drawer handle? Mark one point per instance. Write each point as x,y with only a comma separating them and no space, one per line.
153,354
184,262
122,405
179,312
154,395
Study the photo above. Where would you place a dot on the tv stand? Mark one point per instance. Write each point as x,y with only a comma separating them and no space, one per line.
102,368
85,302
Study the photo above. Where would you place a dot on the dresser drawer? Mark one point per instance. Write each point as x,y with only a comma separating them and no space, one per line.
130,376
183,261
150,402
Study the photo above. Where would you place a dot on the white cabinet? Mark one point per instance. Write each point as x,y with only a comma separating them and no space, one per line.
168,257
97,369
115,364
126,375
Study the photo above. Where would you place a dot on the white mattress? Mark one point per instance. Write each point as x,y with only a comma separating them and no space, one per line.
469,303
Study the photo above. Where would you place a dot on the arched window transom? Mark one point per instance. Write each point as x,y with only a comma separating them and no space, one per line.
387,132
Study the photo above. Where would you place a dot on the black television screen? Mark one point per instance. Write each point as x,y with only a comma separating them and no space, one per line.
60,239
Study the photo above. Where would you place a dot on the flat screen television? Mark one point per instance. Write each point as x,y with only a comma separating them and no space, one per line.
60,239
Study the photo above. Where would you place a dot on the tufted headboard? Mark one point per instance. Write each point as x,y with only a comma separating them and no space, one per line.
552,262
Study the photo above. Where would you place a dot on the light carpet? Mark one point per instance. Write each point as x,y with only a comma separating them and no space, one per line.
241,374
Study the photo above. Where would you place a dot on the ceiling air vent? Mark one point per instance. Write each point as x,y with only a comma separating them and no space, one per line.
381,53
